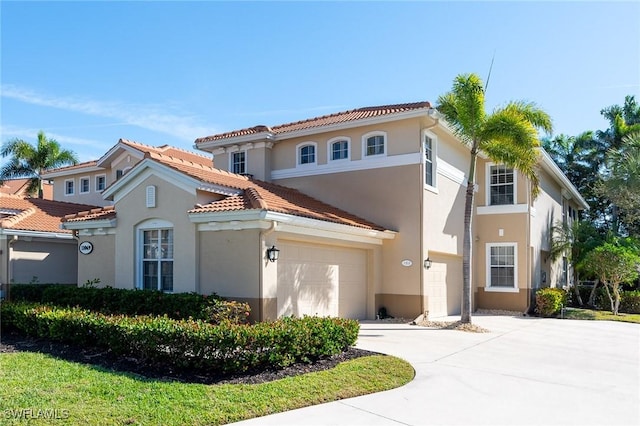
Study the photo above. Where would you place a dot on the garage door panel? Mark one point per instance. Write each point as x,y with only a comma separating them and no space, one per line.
321,280
444,286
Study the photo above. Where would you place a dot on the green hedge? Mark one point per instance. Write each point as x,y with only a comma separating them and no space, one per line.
630,302
189,344
108,300
549,301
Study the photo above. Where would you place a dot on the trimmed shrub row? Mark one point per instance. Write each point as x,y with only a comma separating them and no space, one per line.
188,344
549,301
108,300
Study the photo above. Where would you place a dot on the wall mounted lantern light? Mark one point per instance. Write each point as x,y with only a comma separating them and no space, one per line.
427,263
273,253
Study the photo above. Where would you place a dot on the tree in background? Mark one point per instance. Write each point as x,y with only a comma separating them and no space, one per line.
574,241
28,161
509,136
621,185
614,265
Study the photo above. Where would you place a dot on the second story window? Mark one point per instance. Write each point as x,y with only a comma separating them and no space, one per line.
501,185
340,150
69,187
307,154
101,183
429,161
84,185
239,162
375,145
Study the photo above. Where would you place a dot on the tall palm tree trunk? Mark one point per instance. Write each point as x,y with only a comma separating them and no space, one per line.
465,316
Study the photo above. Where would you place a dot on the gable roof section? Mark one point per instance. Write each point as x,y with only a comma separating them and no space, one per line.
34,214
242,193
168,150
353,115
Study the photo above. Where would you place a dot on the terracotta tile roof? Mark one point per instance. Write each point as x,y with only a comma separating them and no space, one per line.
73,167
107,212
171,151
19,186
325,120
255,195
34,214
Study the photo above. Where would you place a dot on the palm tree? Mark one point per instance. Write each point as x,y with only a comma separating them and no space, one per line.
509,135
30,161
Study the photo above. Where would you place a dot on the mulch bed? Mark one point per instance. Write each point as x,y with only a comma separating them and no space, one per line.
14,342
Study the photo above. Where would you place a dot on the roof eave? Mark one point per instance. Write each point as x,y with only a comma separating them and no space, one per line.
552,167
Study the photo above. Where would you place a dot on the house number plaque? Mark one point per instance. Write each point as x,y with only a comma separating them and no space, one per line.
85,247
407,262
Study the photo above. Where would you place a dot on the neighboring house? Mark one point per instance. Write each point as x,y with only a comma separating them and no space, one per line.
33,248
364,206
85,182
19,187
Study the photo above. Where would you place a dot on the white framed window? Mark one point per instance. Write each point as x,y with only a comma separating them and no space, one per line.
239,162
155,256
339,148
306,153
101,183
374,144
69,187
430,146
501,185
502,266
84,185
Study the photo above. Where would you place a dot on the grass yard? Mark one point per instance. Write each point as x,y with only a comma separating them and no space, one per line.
588,314
40,386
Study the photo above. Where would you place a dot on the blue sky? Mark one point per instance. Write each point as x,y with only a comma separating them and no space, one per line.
89,73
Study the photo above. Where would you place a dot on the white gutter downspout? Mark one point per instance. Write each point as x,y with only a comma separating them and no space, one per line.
261,238
435,115
10,242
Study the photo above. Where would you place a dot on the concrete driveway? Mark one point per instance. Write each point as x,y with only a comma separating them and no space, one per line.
526,371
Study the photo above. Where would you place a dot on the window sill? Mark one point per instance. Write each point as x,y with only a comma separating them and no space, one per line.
502,290
431,188
503,209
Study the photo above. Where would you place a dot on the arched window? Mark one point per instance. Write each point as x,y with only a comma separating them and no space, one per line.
374,144
339,148
155,255
306,153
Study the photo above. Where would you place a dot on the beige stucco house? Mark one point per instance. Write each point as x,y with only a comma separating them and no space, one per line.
364,206
33,248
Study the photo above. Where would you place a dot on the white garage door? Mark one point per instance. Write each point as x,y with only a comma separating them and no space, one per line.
444,286
321,280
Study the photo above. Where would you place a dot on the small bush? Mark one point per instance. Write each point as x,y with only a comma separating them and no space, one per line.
190,344
108,300
549,301
630,302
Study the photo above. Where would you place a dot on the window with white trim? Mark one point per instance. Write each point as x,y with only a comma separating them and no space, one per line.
306,154
239,162
430,147
69,187
101,182
501,265
502,185
375,145
156,259
339,149
84,185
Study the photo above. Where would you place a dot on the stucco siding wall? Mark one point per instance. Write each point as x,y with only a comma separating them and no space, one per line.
44,261
93,197
230,263
100,263
172,203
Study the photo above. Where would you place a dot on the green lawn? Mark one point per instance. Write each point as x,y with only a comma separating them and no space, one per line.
37,385
589,314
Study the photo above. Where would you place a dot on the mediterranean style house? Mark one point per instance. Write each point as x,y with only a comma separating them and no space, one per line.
337,215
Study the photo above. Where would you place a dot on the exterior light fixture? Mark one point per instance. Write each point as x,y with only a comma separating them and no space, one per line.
273,253
427,263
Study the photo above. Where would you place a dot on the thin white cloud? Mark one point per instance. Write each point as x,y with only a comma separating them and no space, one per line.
150,117
332,108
